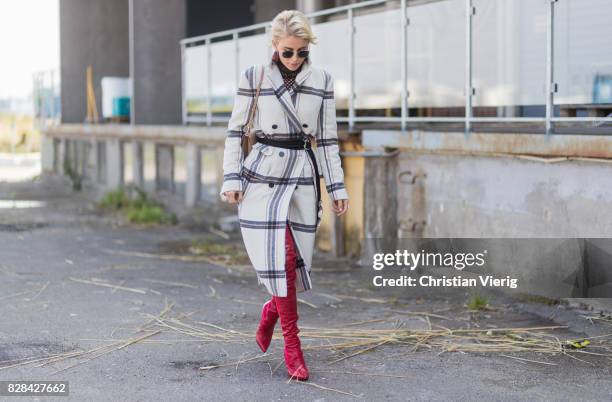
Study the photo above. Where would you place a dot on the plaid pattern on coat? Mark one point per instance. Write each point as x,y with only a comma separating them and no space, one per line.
278,183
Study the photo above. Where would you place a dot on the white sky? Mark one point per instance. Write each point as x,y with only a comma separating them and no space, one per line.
29,42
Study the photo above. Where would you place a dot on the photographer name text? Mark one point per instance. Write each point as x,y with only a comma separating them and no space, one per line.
403,259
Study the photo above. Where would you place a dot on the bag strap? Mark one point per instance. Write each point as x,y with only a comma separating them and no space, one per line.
250,121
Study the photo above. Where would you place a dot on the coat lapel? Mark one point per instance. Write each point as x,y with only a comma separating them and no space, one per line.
281,92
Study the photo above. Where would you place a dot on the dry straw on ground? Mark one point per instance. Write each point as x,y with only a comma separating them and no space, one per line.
344,342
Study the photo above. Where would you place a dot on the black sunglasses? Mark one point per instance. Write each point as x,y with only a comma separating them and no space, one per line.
287,54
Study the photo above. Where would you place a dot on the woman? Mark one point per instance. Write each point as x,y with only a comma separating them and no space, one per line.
277,185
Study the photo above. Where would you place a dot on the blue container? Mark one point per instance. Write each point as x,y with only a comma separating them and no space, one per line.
121,106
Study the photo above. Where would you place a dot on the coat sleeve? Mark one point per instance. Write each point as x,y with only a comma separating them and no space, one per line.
232,153
328,150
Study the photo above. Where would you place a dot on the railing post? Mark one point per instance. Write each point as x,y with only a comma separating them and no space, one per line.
208,84
469,12
549,67
57,155
100,164
64,155
164,167
138,163
404,65
351,26
194,180
47,154
114,163
92,163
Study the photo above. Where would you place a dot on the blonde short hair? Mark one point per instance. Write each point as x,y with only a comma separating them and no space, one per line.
291,23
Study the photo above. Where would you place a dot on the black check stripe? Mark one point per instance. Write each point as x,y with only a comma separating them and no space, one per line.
245,223
315,91
334,187
268,273
282,136
327,142
270,91
231,176
251,92
254,177
302,227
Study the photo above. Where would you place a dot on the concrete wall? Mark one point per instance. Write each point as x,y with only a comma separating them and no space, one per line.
520,200
159,25
546,221
91,33
479,196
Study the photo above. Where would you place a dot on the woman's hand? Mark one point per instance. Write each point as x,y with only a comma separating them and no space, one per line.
340,206
233,197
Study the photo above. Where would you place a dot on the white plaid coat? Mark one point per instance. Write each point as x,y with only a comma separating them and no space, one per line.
278,183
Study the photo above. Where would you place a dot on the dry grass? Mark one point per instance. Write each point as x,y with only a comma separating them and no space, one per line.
346,341
342,342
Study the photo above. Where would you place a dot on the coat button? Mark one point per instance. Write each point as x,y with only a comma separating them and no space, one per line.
281,153
274,126
270,184
296,186
304,125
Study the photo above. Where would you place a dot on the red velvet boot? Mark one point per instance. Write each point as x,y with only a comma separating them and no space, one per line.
287,310
265,330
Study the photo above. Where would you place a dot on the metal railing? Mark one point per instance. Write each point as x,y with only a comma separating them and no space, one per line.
46,98
349,10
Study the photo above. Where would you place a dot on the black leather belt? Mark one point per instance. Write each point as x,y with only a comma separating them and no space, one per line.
298,143
295,143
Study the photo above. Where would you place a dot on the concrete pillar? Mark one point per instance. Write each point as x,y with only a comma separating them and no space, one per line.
95,165
83,153
337,236
91,33
194,180
114,164
64,155
57,156
411,185
47,154
164,167
100,157
380,203
138,163
309,6
91,172
156,60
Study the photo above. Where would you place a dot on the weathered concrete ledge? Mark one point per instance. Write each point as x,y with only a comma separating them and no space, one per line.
555,145
199,135
95,152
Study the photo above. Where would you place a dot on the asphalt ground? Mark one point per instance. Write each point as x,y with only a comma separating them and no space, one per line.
73,278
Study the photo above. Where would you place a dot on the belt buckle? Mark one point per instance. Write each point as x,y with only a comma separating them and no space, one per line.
306,143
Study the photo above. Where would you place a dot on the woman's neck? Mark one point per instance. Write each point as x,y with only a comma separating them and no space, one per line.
286,71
